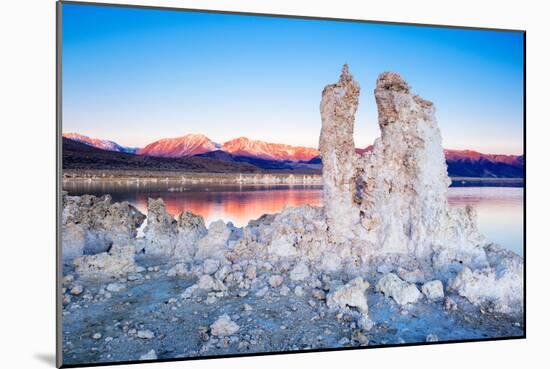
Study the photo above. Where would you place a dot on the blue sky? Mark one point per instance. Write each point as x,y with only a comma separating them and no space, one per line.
137,75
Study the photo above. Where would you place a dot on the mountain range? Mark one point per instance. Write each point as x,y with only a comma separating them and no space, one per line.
244,154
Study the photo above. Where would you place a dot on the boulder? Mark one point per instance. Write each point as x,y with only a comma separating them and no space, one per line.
224,326
299,272
90,224
190,229
161,230
402,292
215,243
118,261
350,295
433,290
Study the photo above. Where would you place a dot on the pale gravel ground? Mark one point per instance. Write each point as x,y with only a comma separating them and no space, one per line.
275,323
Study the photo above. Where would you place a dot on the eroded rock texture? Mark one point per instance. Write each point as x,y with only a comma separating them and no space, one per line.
118,261
91,224
404,183
337,150
166,236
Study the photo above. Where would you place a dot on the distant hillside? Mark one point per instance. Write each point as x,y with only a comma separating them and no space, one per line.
99,143
185,146
196,152
258,162
77,155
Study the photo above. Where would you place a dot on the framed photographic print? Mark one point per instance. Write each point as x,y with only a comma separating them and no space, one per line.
238,184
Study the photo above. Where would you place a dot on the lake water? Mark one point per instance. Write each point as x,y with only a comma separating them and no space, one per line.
499,209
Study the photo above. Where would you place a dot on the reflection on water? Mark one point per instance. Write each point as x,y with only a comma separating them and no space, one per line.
500,209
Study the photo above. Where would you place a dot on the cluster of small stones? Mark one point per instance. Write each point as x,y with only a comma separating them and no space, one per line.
386,227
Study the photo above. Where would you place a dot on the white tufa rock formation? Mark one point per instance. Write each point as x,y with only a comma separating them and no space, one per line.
166,236
117,262
91,224
350,295
404,183
337,150
402,292
397,191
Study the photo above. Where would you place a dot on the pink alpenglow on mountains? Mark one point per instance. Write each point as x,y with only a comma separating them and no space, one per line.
477,156
243,146
188,145
97,142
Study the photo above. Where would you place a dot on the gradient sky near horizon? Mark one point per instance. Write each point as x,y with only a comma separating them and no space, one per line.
136,75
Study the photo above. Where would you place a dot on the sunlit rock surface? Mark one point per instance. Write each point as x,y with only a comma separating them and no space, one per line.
404,183
498,286
337,150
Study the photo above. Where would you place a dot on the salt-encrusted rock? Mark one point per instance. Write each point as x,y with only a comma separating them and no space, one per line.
214,244
178,270
250,272
90,224
116,287
432,338
208,283
151,355
337,150
349,295
433,290
500,284
118,261
275,281
404,184
190,229
299,272
224,326
210,266
402,292
77,290
161,230
145,334
262,292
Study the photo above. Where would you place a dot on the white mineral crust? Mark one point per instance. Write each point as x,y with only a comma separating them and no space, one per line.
337,150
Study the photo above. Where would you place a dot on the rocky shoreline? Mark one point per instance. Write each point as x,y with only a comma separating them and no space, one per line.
385,261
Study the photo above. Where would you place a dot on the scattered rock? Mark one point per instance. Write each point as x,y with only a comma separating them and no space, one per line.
224,326
275,281
116,287
145,334
151,355
433,290
349,295
77,290
262,292
432,338
299,272
402,292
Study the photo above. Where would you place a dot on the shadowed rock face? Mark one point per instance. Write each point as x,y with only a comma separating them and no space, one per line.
91,224
338,106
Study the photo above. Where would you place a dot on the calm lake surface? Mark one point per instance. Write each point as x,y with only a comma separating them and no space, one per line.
499,209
